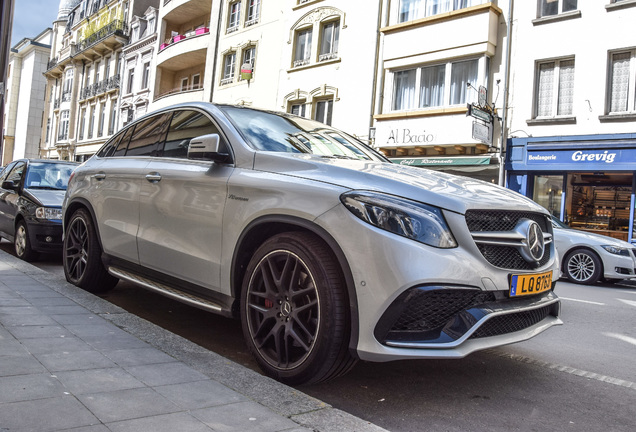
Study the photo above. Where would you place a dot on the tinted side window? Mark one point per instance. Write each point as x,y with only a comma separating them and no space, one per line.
111,145
186,125
149,136
123,144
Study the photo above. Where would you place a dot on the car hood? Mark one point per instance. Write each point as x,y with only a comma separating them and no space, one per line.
583,237
44,197
447,191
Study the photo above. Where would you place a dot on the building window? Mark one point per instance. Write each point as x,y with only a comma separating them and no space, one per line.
555,88
48,131
82,124
323,111
97,65
622,81
151,26
229,64
107,68
62,134
185,82
330,34
196,81
404,90
434,86
462,73
409,10
297,109
248,55
302,53
146,76
432,82
113,116
253,12
91,123
234,17
555,7
131,81
102,119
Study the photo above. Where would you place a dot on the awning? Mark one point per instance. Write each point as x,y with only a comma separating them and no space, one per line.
443,161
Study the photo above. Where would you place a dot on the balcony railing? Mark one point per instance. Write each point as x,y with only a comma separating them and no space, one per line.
66,96
115,27
56,104
51,64
183,89
100,87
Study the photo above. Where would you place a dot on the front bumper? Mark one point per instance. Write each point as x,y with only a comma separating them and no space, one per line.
387,269
46,236
618,266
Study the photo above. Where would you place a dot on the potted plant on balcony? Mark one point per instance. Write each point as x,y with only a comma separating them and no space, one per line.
201,30
178,37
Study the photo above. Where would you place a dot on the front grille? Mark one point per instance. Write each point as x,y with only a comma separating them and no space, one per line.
429,310
510,323
501,220
509,257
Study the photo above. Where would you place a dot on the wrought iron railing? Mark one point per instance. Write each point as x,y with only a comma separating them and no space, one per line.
115,27
51,64
100,87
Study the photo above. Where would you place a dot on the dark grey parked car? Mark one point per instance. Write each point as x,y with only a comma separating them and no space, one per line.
31,195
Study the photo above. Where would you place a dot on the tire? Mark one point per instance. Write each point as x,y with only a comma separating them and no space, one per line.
82,255
295,312
22,243
583,266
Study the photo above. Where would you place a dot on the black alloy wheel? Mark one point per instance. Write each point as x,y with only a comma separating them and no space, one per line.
295,312
82,252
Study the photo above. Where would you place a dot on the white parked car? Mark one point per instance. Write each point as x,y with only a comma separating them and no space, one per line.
323,249
587,258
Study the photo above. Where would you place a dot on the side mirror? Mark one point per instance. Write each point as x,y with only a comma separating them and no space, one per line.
9,184
207,147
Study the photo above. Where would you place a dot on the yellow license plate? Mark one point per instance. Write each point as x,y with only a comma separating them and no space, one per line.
528,284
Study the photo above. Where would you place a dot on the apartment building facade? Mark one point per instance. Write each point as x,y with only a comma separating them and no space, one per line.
25,97
437,57
84,74
572,145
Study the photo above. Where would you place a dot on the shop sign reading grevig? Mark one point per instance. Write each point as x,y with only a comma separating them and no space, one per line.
586,157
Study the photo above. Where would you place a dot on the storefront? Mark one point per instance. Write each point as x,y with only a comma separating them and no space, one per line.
588,182
484,168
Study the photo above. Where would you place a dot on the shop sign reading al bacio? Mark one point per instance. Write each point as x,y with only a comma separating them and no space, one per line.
406,136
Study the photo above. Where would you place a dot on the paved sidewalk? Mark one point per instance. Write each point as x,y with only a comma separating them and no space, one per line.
72,361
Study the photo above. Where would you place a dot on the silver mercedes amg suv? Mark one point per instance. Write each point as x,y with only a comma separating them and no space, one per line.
325,251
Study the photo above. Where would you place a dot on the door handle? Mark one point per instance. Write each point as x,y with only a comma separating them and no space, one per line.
100,176
153,177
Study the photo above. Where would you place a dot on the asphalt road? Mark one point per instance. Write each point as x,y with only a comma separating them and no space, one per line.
577,377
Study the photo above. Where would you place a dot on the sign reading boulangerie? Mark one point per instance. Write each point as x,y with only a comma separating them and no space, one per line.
582,157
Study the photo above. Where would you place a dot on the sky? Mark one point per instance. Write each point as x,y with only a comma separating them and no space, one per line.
32,17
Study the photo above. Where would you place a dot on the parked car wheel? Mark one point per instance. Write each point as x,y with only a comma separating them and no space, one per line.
294,310
82,255
582,267
22,244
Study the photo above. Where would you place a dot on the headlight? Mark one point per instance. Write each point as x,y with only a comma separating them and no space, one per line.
48,213
616,250
410,219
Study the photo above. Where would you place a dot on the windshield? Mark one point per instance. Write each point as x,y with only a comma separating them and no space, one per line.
52,176
556,223
267,131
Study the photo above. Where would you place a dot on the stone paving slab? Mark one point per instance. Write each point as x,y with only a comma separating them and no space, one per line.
71,361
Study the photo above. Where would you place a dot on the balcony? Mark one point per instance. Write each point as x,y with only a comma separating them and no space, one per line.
107,38
101,87
180,37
